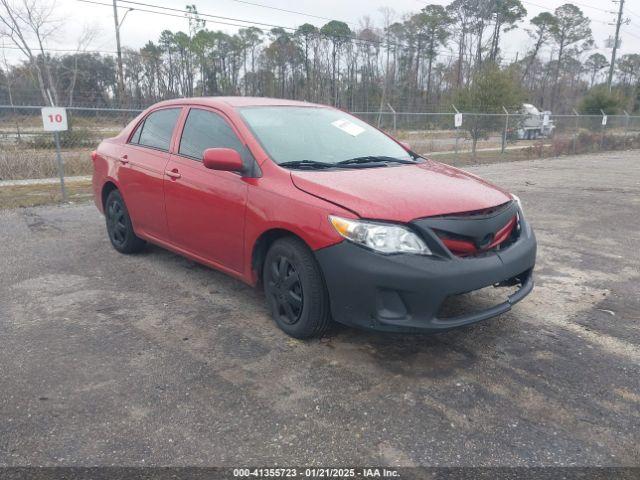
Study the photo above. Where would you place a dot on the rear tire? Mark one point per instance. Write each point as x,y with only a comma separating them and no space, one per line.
119,227
294,288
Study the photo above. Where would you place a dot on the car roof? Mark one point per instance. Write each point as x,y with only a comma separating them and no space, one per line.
235,102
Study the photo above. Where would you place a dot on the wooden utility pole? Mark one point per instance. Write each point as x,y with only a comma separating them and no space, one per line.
119,53
615,44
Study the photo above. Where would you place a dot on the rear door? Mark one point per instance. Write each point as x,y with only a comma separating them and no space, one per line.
206,208
141,173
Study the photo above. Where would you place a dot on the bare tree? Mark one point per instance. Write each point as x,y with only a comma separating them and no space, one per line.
7,68
26,21
85,39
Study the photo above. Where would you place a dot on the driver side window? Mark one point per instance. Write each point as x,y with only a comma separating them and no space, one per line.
204,129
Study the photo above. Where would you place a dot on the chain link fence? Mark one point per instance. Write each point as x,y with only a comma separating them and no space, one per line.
484,137
27,152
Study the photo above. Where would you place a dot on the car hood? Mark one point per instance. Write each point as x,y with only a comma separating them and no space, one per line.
401,193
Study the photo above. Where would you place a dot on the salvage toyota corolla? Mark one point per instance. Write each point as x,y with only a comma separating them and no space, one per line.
332,217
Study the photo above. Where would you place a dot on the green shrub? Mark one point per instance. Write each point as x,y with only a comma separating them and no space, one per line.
600,99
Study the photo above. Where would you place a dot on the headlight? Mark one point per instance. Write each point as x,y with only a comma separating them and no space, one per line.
380,237
518,201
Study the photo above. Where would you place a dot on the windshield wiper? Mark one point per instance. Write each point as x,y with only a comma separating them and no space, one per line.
307,164
374,159
371,160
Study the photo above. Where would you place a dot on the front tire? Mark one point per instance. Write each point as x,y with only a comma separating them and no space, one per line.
295,290
119,226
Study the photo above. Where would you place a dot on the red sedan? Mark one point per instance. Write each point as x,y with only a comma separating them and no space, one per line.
332,217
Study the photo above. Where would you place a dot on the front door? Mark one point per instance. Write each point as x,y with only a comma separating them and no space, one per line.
206,208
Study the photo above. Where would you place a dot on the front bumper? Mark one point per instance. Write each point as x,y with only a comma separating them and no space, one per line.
403,293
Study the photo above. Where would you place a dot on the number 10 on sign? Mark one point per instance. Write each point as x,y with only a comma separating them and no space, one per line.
54,119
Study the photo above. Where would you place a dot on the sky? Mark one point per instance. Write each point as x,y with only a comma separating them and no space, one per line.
140,27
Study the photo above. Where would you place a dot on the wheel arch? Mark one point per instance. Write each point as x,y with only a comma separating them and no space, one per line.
261,247
108,187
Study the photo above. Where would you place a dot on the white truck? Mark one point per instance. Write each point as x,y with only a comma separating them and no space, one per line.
532,124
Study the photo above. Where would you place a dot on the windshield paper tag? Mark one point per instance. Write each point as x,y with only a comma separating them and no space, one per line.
348,127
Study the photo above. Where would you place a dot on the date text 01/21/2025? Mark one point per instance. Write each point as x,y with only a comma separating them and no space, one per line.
316,472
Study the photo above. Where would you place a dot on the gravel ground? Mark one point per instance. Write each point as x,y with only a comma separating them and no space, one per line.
154,360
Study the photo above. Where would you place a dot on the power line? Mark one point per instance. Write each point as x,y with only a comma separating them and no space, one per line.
607,11
591,7
290,11
591,19
632,13
188,14
553,11
61,50
632,34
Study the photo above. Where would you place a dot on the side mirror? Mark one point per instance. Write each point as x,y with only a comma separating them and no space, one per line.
224,159
405,145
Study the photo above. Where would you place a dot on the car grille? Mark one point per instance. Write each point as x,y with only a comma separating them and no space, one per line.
464,246
476,233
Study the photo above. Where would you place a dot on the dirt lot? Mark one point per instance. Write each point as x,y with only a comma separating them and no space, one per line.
152,359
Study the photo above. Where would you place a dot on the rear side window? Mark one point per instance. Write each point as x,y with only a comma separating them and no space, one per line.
157,129
204,129
135,138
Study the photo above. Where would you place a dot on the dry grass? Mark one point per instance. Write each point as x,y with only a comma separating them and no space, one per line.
465,159
19,162
35,156
559,146
34,195
409,135
33,122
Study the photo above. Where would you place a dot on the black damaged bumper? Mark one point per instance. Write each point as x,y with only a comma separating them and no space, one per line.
403,293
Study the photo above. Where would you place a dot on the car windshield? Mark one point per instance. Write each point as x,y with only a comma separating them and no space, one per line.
316,135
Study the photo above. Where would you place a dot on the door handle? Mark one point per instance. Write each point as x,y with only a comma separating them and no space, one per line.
173,173
124,159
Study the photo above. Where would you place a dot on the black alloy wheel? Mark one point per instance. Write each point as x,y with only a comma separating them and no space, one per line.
285,289
295,290
116,225
119,226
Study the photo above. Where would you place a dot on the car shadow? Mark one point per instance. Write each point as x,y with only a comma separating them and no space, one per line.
444,351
